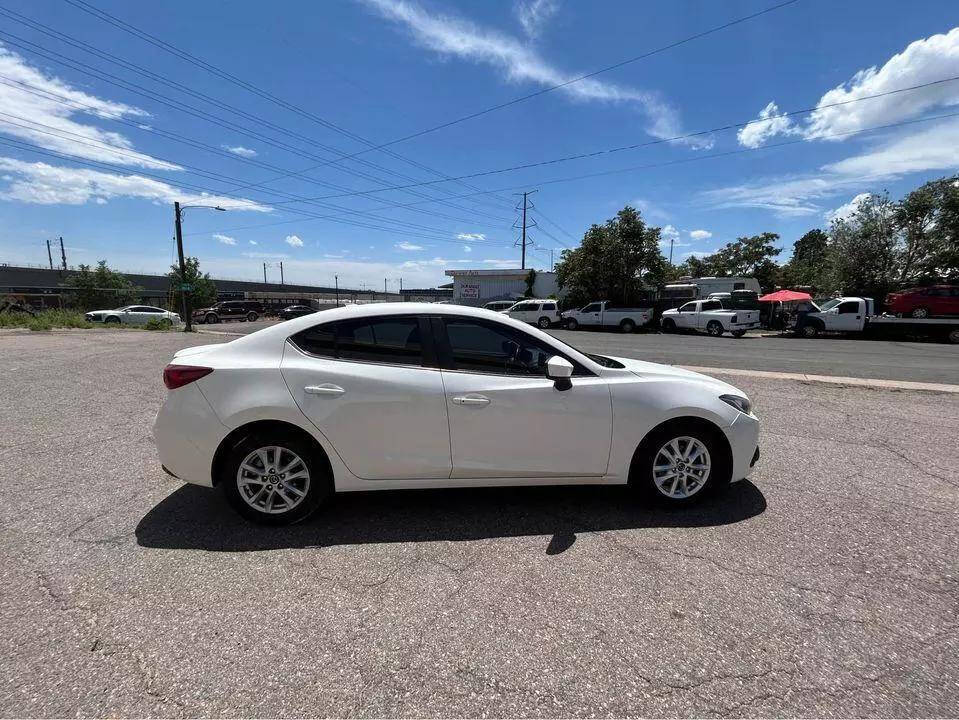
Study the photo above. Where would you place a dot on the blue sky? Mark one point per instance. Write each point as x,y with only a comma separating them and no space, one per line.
349,71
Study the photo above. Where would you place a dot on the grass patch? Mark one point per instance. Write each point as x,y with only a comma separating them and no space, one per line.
44,320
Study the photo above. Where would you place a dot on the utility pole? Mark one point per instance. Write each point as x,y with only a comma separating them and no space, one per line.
63,253
551,259
336,280
671,239
281,272
401,285
525,225
49,254
264,272
384,287
184,292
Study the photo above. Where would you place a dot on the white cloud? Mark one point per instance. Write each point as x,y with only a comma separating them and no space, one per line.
408,246
534,14
225,239
293,241
252,242
934,148
43,184
650,210
844,212
467,248
44,104
471,236
668,231
922,61
697,253
240,150
265,255
453,36
770,123
700,234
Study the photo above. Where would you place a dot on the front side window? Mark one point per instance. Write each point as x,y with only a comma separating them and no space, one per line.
524,307
591,308
477,346
688,307
848,308
395,340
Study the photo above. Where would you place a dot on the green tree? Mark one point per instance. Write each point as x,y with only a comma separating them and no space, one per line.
811,262
203,291
614,261
928,221
865,249
750,256
100,288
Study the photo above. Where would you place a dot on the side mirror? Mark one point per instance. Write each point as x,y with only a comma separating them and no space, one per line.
560,369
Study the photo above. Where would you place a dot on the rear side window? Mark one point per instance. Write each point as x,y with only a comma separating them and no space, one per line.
712,305
393,340
549,306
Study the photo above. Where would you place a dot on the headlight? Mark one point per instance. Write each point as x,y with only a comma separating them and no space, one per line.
740,403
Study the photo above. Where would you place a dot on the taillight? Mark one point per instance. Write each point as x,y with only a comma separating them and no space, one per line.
175,376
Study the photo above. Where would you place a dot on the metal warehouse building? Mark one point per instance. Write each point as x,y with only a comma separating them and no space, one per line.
477,287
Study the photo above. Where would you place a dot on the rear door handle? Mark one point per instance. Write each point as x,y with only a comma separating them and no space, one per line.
324,389
470,400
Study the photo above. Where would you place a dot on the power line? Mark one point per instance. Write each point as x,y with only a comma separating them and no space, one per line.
183,107
538,93
698,158
223,74
637,146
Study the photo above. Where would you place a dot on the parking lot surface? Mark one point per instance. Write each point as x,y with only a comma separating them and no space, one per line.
846,357
826,585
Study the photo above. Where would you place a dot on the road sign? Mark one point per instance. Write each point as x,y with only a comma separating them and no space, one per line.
186,287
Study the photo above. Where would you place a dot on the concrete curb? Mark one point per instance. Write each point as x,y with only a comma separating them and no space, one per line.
830,379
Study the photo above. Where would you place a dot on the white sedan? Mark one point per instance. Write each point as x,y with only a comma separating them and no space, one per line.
410,395
133,315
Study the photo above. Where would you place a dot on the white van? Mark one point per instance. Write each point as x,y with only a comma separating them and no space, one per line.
542,313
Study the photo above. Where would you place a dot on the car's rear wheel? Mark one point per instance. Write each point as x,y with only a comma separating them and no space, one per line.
920,313
252,316
669,325
714,328
571,324
954,336
211,319
544,323
275,480
627,326
680,466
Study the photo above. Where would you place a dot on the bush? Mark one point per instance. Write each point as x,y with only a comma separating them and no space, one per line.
44,320
158,325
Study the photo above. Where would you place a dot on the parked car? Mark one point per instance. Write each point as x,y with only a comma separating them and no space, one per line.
229,310
709,316
133,315
294,311
542,313
934,301
605,314
499,305
416,395
857,314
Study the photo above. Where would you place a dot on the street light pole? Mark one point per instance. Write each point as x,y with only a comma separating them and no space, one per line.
184,302
336,280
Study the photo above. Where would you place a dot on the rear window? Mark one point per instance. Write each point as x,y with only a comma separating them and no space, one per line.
712,305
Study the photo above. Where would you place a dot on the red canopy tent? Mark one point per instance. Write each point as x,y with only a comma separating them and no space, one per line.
785,296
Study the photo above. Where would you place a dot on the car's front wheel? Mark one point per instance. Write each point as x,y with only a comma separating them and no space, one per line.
275,480
112,319
211,319
920,313
668,326
738,333
571,324
680,465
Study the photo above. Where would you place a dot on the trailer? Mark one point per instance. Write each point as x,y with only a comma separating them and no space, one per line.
856,315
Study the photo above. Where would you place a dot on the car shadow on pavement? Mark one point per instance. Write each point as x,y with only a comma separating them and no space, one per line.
199,518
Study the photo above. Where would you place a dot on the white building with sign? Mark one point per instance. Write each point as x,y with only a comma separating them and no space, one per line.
478,287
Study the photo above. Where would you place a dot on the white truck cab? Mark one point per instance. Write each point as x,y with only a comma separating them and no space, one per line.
605,314
710,317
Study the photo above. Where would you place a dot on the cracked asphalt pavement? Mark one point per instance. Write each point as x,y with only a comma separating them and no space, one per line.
825,586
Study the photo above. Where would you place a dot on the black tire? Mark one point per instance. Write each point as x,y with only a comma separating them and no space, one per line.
920,313
627,326
738,333
571,324
211,319
715,328
809,330
320,482
953,337
641,472
252,316
669,326
112,319
543,323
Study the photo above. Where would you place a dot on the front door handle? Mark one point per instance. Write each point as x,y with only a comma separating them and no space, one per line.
324,389
470,400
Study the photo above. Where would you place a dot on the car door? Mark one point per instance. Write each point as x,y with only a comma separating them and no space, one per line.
523,311
506,418
702,319
591,314
371,386
686,317
847,318
135,315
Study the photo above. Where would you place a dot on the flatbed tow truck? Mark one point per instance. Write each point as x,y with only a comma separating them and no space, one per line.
857,315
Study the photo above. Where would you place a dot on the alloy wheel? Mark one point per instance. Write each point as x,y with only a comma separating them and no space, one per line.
681,467
273,479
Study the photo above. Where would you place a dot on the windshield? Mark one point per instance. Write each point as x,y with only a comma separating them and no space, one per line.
829,304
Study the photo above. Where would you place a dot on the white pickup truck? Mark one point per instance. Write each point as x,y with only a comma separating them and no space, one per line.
857,314
709,315
605,314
